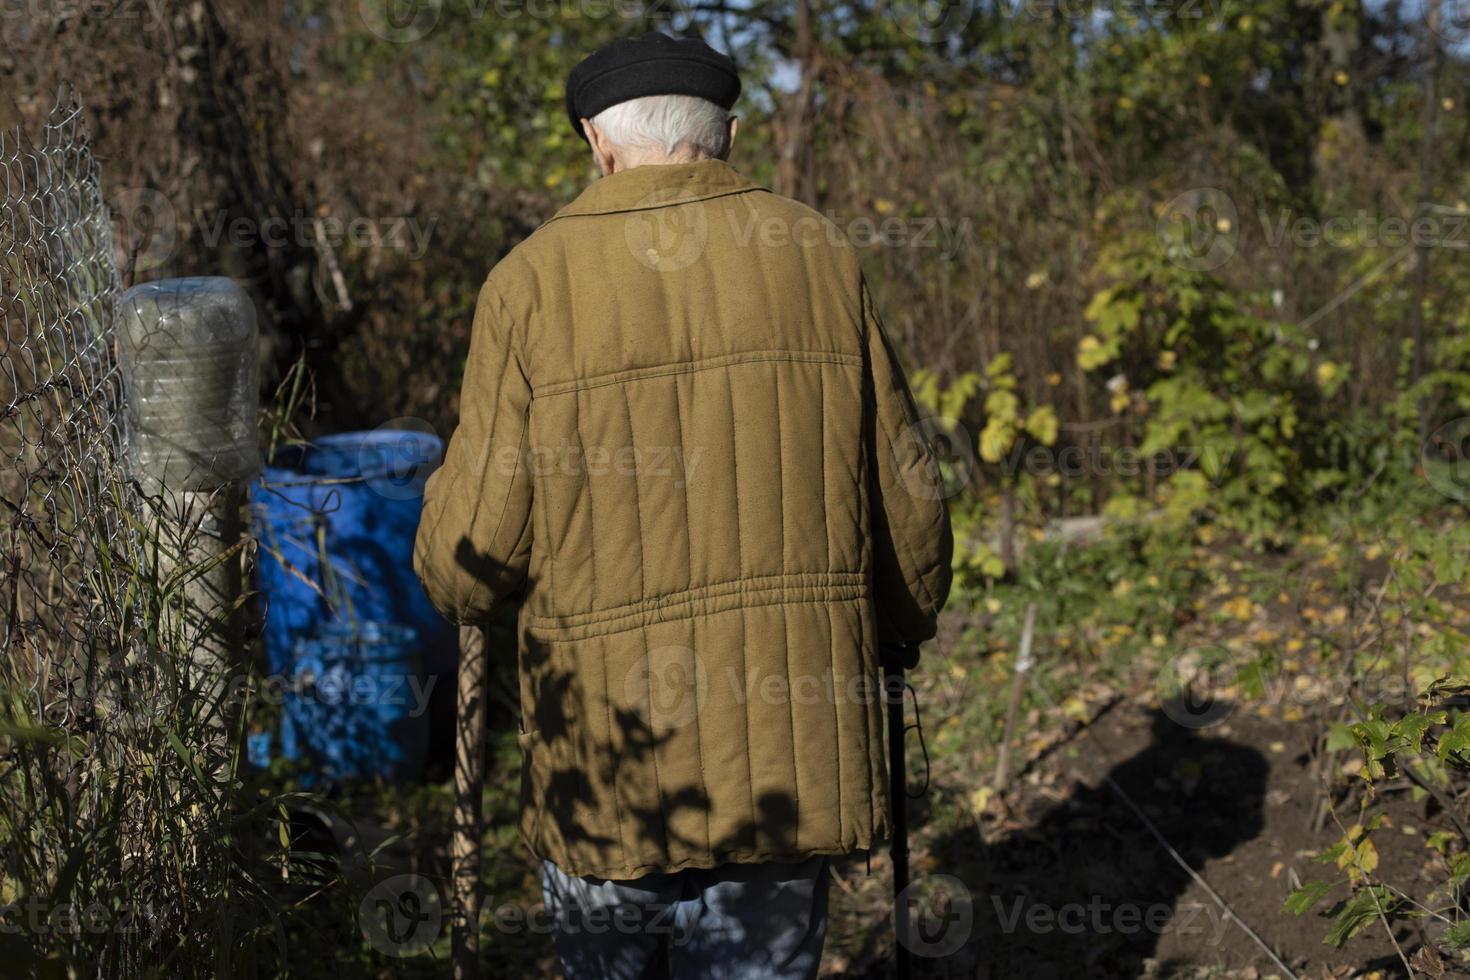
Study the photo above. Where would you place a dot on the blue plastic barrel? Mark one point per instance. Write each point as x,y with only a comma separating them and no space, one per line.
336,521
356,705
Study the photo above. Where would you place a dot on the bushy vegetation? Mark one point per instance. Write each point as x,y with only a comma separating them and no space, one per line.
1180,285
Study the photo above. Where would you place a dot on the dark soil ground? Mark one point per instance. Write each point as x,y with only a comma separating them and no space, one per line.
1068,881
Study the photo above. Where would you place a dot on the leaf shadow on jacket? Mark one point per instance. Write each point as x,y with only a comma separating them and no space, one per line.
565,787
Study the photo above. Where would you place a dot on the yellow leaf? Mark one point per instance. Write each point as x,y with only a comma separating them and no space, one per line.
1367,856
1003,405
1043,425
995,439
1075,708
1239,608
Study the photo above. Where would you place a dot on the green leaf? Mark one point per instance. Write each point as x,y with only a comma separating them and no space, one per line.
1456,741
1457,936
1459,869
1410,729
1358,911
1340,737
1307,896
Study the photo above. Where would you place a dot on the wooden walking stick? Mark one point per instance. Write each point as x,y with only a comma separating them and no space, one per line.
469,781
1018,687
898,793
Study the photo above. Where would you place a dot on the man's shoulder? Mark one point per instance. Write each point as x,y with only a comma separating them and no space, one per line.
520,268
796,215
753,215
545,238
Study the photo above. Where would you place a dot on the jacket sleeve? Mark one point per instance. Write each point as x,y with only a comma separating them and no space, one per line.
474,539
912,542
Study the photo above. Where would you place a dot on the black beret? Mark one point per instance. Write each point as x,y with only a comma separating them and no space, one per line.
654,64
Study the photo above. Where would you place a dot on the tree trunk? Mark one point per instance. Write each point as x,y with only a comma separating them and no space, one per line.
1426,191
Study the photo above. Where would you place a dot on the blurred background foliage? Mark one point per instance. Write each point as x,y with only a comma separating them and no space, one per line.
1184,225
1152,263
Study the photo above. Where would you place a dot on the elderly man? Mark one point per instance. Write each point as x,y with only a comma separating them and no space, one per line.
687,451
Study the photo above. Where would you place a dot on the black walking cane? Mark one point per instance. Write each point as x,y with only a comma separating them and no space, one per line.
895,661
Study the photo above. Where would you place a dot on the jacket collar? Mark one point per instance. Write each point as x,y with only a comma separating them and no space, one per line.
656,186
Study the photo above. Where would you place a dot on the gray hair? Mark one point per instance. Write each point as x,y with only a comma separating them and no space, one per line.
667,122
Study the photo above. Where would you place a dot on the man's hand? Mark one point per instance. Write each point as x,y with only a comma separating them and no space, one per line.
898,658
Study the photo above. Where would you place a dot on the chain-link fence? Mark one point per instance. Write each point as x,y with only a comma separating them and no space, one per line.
114,834
68,522
62,431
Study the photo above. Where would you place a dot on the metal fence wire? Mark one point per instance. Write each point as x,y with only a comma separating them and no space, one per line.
62,433
68,519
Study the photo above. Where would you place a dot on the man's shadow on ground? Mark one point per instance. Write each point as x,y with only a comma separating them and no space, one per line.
1083,889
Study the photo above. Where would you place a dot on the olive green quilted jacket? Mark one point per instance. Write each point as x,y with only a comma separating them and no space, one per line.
687,452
